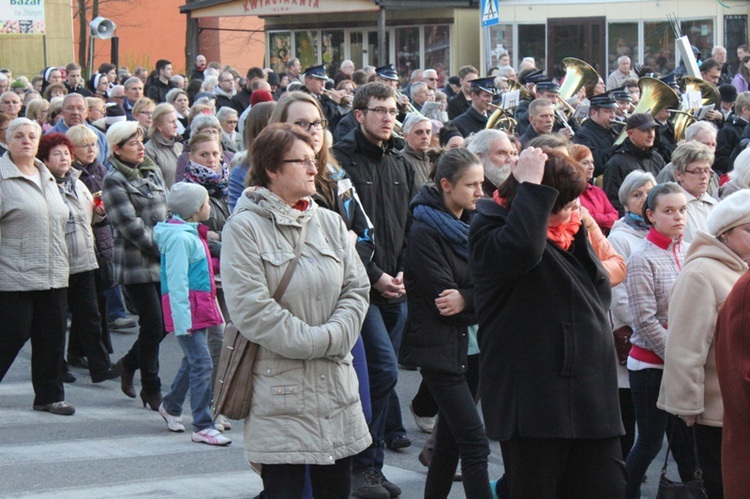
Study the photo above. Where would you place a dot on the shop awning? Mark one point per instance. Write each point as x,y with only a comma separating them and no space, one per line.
226,8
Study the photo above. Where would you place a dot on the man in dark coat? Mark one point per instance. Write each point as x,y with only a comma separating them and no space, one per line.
731,134
542,119
596,132
157,90
315,83
459,103
224,90
475,118
385,184
548,379
636,153
521,112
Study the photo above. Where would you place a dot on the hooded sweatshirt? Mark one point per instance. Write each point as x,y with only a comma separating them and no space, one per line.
187,278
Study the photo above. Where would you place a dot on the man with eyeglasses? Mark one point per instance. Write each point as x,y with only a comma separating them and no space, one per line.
475,118
385,184
74,112
431,78
225,90
315,83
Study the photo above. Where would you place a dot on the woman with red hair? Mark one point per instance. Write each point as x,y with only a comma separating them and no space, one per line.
593,198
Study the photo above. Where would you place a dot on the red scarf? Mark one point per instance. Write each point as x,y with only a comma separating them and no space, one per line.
563,234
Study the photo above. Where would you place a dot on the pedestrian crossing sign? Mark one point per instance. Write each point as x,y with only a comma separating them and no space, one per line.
490,13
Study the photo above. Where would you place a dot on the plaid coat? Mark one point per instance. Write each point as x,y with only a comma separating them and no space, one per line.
136,200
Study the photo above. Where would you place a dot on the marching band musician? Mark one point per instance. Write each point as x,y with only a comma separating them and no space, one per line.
624,103
475,118
315,83
597,133
529,79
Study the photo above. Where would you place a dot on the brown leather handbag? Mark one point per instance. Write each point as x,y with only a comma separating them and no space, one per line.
233,391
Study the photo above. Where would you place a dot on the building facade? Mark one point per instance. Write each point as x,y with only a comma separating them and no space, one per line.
599,32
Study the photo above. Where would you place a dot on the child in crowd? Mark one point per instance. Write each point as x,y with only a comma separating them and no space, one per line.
190,307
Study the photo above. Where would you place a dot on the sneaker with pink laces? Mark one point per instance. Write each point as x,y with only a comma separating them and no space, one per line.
210,436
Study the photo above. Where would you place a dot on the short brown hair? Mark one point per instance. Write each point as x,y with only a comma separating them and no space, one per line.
465,70
268,150
561,172
373,90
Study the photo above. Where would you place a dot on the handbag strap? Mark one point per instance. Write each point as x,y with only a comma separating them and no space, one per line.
698,473
284,282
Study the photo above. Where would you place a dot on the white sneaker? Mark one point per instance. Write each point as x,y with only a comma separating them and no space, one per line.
210,436
222,421
174,423
426,424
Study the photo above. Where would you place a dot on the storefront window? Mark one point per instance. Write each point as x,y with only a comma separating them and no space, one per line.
501,42
279,50
356,48
306,48
701,34
658,47
531,43
407,51
437,51
623,40
372,49
333,50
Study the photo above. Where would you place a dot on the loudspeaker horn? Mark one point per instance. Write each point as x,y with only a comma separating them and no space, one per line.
102,28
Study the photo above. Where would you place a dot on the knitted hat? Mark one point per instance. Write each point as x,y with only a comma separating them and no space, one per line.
185,199
259,96
18,84
732,211
114,113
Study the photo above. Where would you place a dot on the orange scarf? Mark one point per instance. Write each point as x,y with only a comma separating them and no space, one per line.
563,234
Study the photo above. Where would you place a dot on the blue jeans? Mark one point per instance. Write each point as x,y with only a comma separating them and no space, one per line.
652,424
381,332
194,374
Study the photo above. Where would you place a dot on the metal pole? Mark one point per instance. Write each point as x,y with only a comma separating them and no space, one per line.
44,47
382,56
115,52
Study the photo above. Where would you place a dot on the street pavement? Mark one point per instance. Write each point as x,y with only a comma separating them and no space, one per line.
114,448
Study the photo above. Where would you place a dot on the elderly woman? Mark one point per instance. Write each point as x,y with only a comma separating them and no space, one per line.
690,387
692,167
56,151
202,123
594,198
305,338
143,112
179,99
4,124
163,146
542,298
739,177
231,140
626,235
92,173
33,266
135,196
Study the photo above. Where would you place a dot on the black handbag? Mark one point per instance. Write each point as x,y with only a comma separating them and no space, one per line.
694,489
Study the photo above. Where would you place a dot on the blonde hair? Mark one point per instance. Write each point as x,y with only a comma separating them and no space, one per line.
141,104
121,132
35,108
159,112
81,134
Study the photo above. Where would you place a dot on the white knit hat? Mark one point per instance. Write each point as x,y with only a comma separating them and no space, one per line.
185,199
732,211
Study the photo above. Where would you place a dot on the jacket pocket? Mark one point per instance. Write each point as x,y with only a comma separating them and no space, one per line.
278,387
275,263
569,349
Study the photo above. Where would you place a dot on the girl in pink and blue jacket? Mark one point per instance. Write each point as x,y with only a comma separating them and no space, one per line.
190,307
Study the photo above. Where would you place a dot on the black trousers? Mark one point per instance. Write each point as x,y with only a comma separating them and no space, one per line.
708,439
85,324
560,468
627,413
460,433
287,481
39,315
144,354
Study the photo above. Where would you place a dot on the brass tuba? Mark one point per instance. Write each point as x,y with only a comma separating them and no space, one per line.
501,119
524,93
683,118
655,97
577,74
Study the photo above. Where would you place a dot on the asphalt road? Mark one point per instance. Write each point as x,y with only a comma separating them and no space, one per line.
114,448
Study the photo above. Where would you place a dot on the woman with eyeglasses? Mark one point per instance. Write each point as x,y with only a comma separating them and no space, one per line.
135,198
692,167
231,139
303,372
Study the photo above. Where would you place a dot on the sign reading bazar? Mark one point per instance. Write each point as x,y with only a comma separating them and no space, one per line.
284,7
22,17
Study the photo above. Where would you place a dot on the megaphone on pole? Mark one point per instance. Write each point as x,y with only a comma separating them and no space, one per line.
102,28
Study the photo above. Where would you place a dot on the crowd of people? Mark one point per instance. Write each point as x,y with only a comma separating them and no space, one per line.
350,226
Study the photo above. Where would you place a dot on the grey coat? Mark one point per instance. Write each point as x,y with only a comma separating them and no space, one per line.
81,242
164,152
33,254
305,406
136,200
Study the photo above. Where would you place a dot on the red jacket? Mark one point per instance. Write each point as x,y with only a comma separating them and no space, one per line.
595,200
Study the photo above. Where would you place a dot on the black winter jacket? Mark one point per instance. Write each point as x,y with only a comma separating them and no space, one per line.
626,159
92,177
600,140
547,362
385,185
433,341
726,140
470,122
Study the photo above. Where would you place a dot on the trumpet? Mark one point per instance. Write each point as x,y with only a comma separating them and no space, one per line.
409,106
345,100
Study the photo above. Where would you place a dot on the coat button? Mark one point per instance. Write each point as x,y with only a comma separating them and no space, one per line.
268,371
150,195
322,376
463,366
